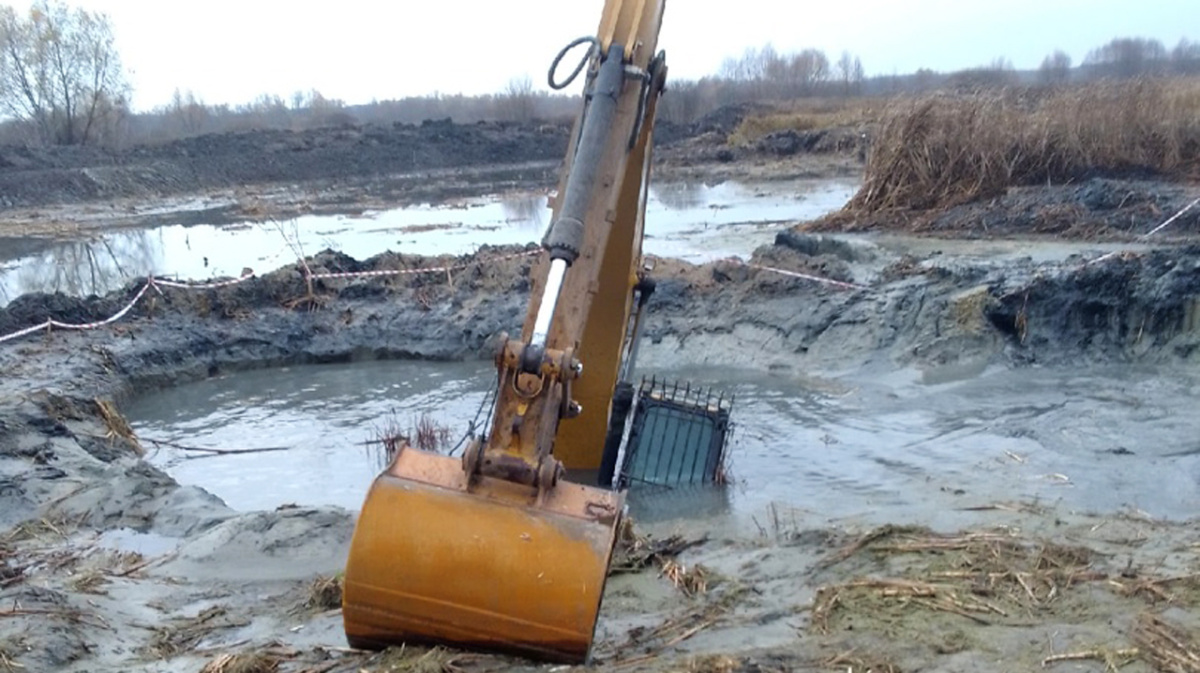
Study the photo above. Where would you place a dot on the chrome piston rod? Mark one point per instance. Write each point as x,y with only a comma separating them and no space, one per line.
554,281
564,240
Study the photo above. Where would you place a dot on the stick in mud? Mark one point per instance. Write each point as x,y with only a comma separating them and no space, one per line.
215,452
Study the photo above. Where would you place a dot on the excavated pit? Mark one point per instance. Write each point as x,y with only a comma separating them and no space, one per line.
1045,391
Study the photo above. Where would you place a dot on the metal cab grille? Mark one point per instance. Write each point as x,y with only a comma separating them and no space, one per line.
678,436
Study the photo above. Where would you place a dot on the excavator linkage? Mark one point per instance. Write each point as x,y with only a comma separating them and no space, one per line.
496,550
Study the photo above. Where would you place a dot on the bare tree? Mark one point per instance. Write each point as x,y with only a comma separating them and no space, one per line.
849,73
771,73
518,102
59,68
1056,69
1185,58
188,115
1129,57
808,70
996,75
925,79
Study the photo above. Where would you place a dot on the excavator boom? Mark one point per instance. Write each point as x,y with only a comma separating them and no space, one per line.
496,550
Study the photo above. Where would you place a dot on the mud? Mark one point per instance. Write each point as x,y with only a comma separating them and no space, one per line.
107,563
280,173
1093,209
41,176
237,582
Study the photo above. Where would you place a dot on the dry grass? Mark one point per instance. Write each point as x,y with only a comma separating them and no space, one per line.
983,577
943,150
424,433
644,644
713,663
1166,646
182,635
117,426
247,662
39,529
8,662
634,553
89,582
1185,588
422,660
853,662
809,115
325,593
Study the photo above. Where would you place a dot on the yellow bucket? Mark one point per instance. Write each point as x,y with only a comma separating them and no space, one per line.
484,567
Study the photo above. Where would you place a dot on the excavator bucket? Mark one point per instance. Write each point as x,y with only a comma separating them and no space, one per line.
484,565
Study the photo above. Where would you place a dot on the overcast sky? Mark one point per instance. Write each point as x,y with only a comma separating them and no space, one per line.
231,51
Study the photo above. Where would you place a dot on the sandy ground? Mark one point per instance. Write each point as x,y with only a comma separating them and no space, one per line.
107,564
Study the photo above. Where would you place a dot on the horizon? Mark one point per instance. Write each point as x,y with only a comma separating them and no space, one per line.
234,53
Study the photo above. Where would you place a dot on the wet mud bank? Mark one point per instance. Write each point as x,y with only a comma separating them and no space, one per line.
107,564
37,176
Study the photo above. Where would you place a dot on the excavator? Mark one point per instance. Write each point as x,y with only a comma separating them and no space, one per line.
497,550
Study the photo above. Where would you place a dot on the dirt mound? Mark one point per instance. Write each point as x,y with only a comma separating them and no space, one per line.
32,309
38,176
815,141
1142,302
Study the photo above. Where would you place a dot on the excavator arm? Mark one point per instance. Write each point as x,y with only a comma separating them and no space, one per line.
497,550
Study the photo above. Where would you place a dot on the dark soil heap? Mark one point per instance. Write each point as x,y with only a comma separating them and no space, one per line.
39,176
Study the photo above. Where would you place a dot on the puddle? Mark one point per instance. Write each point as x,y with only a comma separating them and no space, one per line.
129,540
689,221
871,450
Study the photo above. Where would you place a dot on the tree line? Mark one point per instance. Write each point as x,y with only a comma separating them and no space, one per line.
60,73
62,82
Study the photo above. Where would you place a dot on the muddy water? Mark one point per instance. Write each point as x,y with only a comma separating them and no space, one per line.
907,446
685,220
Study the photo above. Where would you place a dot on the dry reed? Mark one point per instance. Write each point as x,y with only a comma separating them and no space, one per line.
983,577
1168,647
942,150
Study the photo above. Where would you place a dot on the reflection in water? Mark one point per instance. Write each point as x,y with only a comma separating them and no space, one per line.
688,221
680,195
82,268
526,211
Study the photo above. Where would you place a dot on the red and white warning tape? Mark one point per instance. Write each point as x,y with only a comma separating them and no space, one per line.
157,282
804,276
52,323
402,272
202,286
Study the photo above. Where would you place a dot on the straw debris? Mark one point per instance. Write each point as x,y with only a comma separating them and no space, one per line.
853,662
250,662
653,642
714,663
405,659
8,662
1168,647
89,582
1113,659
635,553
118,427
1163,589
184,634
984,577
325,593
